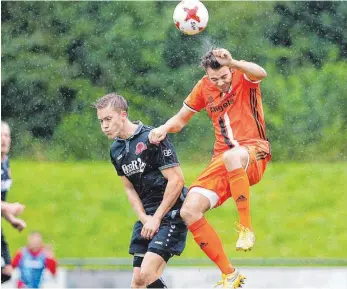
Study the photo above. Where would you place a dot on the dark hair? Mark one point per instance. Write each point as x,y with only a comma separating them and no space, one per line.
114,100
209,60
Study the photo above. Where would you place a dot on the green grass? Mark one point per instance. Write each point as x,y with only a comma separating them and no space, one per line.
298,210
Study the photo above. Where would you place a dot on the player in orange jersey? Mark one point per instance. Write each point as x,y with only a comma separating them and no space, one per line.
231,95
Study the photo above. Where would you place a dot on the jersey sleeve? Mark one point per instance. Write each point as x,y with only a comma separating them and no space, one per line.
247,81
51,264
116,166
195,101
166,156
16,259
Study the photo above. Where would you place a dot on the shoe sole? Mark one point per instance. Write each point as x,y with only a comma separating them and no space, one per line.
243,249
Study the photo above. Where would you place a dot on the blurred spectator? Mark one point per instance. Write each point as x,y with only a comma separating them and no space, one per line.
32,260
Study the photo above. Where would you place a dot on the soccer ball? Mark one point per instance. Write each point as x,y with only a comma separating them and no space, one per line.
190,17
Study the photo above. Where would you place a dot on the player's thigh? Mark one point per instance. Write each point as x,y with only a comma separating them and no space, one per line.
235,158
170,239
138,245
214,179
258,160
196,201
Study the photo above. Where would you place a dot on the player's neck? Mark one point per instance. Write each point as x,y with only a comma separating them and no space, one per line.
129,129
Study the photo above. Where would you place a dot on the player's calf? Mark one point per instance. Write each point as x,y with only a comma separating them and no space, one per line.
147,276
194,207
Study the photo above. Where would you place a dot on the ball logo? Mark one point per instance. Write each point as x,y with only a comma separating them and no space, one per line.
191,14
140,147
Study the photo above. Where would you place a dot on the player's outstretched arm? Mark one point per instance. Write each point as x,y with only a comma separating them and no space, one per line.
173,125
134,200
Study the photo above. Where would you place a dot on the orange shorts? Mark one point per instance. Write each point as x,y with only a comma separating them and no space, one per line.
215,176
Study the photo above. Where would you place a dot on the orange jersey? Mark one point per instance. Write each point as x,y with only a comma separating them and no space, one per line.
237,116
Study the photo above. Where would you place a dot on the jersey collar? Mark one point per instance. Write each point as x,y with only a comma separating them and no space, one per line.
137,131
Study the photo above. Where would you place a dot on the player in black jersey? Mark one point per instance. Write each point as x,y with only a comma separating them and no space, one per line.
9,211
154,184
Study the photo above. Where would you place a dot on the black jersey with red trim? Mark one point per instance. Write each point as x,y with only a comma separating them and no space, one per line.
142,162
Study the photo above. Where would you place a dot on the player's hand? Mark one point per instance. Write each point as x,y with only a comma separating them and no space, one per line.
224,57
18,224
16,208
156,135
150,228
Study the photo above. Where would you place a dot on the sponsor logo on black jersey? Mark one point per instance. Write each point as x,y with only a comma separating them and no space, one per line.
167,153
136,166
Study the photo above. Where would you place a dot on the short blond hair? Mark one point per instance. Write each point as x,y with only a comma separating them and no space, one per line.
5,124
114,100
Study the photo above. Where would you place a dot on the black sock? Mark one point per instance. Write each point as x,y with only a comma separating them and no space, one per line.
159,283
5,277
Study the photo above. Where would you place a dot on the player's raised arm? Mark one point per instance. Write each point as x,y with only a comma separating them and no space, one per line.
134,200
173,125
252,70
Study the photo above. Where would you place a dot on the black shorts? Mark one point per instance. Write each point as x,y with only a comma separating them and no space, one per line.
170,239
5,253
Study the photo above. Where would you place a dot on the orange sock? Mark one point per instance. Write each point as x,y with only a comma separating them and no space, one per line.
240,191
208,240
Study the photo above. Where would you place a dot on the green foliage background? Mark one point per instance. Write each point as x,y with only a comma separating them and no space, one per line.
58,57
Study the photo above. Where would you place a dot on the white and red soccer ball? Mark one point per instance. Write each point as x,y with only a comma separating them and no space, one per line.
190,17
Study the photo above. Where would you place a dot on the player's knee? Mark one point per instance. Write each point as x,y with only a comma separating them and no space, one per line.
147,276
190,214
235,158
230,156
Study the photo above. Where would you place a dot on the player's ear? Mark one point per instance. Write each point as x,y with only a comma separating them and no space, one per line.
124,114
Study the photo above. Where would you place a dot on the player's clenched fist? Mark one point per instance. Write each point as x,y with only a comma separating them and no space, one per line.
223,56
157,135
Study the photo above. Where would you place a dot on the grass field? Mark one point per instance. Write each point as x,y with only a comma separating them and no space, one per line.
298,210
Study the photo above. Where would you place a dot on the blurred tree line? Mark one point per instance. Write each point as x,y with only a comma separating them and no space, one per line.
58,57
